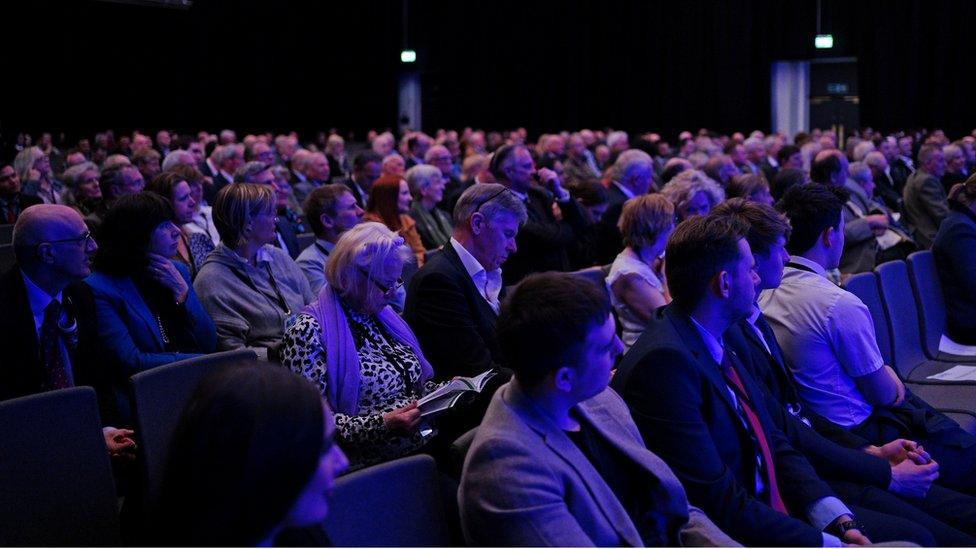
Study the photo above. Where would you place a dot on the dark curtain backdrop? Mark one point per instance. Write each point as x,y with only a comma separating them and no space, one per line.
666,66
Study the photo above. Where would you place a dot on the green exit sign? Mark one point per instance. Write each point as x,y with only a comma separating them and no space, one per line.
824,41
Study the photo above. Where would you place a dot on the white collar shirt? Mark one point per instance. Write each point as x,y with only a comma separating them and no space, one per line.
489,283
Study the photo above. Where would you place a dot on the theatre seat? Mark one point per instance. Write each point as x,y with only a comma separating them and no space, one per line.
931,306
56,485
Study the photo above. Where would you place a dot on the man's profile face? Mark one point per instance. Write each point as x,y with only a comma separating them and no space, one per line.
496,240
133,182
71,258
599,351
769,267
9,182
348,214
936,164
519,170
743,281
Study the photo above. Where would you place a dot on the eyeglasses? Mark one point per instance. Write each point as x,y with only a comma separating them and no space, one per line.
490,198
77,240
387,290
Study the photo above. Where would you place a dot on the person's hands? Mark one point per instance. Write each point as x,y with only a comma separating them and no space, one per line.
119,443
550,180
913,480
877,222
852,537
403,419
162,270
901,449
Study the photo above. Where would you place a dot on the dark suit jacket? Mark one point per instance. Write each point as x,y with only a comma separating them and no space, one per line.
682,405
20,369
954,252
452,321
210,192
832,450
287,232
925,206
611,242
900,172
768,170
361,195
543,242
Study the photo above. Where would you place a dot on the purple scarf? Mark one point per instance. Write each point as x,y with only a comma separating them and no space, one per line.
341,356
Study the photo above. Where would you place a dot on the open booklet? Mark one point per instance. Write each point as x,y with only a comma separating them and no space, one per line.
448,395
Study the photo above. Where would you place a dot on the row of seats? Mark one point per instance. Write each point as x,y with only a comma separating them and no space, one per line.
908,309
58,487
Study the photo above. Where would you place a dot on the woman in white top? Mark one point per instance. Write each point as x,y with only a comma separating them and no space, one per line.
636,279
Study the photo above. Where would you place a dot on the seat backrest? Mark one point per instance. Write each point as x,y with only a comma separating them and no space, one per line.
929,299
865,287
394,504
158,398
56,485
902,315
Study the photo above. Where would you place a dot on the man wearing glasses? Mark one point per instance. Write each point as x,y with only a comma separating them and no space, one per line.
48,329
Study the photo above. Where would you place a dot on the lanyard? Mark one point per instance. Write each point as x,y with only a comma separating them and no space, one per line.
322,249
274,286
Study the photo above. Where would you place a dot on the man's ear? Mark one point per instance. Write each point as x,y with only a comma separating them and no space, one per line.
477,223
563,379
826,236
45,252
722,284
326,221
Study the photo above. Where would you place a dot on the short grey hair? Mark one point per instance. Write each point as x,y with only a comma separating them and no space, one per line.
951,151
875,159
630,160
753,143
683,187
420,176
492,200
616,137
246,173
224,152
177,157
861,150
859,171
73,174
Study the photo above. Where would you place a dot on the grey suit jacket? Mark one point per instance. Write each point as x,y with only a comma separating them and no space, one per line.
925,206
526,483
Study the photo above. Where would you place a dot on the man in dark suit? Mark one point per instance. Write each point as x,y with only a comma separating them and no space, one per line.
699,409
861,473
12,201
633,173
365,170
543,240
48,330
452,301
227,159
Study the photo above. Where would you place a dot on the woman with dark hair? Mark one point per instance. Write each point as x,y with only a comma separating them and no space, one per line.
252,457
175,189
389,204
148,314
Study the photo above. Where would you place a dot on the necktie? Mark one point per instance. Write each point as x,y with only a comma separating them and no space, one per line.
55,372
732,377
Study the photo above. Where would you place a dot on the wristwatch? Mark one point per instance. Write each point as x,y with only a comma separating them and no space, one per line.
844,527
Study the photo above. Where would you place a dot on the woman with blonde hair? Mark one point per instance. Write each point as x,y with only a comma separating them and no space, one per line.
693,193
251,289
363,357
636,279
34,169
389,204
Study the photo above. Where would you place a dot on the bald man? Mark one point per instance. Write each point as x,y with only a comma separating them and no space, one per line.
48,333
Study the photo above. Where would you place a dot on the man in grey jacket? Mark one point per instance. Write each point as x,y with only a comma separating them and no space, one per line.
558,461
925,203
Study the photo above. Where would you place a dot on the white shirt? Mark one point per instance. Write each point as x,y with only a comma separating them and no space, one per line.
489,283
203,223
827,337
39,300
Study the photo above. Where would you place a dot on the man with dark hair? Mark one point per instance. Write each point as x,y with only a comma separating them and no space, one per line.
12,200
574,470
788,156
827,338
114,182
365,170
924,199
331,210
698,407
417,146
543,241
861,473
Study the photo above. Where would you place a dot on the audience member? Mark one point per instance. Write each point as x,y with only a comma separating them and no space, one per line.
754,188
577,472
259,173
202,220
543,241
12,200
427,187
894,241
827,338
863,474
365,171
225,161
631,175
692,193
176,190
440,157
34,170
924,199
954,250
389,204
884,185
393,165
721,169
148,314
331,210
335,151
82,191
114,182
314,168
250,288
786,178
636,279
147,162
359,353
251,460
698,407
955,167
